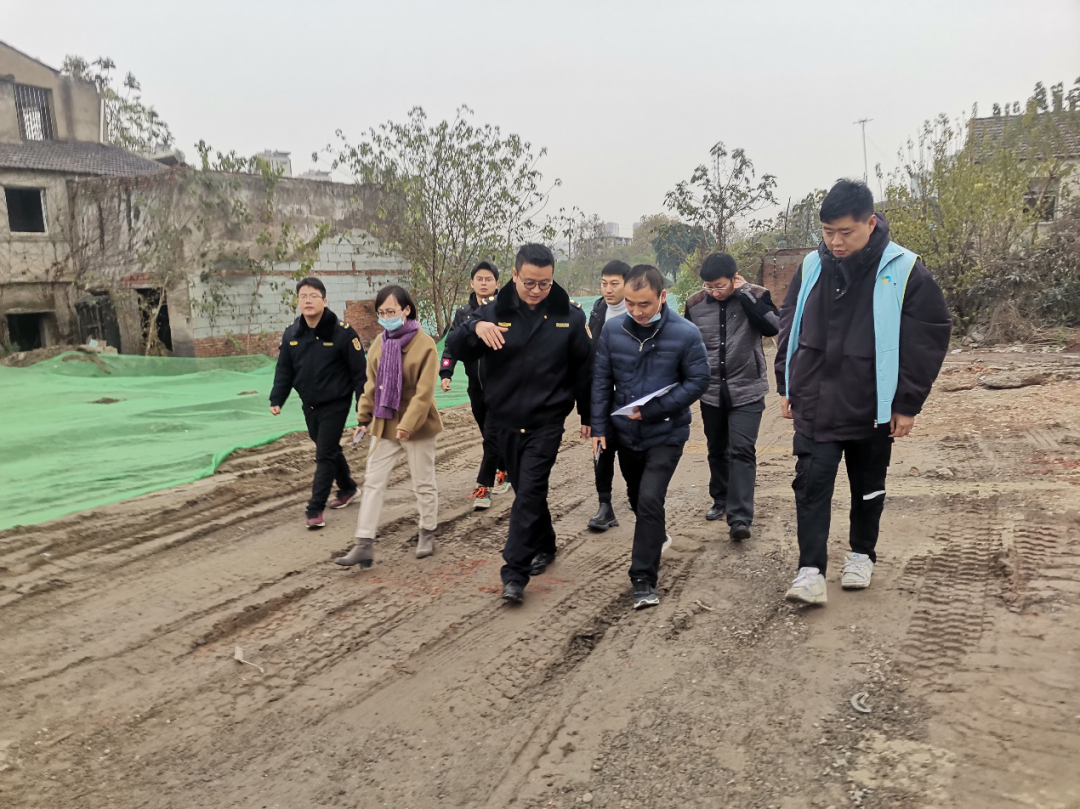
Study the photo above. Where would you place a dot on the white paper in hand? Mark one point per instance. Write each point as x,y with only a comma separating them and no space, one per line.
628,410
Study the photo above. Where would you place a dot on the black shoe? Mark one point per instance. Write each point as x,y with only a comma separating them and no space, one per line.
740,531
716,512
604,518
644,594
540,563
513,592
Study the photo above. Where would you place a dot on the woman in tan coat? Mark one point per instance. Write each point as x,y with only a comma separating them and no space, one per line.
398,410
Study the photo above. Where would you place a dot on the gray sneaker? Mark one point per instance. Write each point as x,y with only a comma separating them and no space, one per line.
644,594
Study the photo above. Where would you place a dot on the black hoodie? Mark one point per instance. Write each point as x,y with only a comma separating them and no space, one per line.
835,393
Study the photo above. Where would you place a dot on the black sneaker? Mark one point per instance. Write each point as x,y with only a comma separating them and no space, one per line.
644,594
513,592
604,518
740,531
716,512
540,563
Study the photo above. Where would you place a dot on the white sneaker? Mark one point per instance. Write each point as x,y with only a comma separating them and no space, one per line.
857,571
667,543
808,587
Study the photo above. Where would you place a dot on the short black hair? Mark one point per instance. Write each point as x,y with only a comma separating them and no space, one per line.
616,267
644,275
401,295
536,254
717,266
485,265
312,282
847,198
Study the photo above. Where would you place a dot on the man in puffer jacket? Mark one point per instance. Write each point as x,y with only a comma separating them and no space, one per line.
647,350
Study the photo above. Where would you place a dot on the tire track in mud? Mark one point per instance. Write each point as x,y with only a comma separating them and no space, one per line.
953,586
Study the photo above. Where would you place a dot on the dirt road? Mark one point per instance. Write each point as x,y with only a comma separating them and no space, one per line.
409,685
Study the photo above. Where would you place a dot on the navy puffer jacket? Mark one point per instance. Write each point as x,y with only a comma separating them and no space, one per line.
633,361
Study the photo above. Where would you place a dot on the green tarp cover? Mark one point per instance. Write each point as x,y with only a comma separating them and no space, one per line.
82,430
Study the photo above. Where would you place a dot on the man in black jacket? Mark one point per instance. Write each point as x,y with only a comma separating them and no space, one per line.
872,329
490,479
537,355
733,316
322,358
650,350
609,307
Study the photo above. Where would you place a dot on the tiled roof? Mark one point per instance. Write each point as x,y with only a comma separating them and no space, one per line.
1061,128
69,157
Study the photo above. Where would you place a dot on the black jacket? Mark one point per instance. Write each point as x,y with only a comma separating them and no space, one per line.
597,318
461,316
323,364
633,361
834,397
545,366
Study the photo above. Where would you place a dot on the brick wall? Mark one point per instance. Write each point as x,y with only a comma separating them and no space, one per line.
778,267
361,316
237,345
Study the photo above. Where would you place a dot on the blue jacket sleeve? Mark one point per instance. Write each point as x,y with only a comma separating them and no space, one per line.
694,376
603,383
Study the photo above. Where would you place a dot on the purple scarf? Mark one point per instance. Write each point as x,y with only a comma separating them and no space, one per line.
388,377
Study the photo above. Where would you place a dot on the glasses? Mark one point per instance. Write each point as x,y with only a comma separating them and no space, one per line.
388,315
708,288
311,297
531,285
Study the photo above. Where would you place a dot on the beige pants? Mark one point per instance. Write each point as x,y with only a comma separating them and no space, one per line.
420,456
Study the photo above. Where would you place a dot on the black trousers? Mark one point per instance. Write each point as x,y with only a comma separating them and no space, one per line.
325,423
731,435
491,462
815,477
605,467
648,474
529,456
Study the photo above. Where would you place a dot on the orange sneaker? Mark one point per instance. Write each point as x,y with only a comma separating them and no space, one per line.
502,483
481,498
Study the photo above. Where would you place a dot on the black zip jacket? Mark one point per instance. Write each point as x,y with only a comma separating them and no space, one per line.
597,318
834,396
461,316
545,366
323,364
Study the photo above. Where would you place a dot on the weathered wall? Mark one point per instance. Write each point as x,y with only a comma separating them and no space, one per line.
777,269
76,105
180,230
252,312
35,268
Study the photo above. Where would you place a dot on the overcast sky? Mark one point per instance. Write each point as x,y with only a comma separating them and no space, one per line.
626,96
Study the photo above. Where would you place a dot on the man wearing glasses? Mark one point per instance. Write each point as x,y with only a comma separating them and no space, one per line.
322,359
537,354
733,317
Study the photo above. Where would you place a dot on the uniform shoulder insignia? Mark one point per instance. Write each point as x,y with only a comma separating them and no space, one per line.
578,305
341,322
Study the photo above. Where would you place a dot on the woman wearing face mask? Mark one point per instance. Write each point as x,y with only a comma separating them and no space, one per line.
398,410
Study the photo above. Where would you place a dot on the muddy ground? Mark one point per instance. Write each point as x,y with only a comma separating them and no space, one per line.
410,685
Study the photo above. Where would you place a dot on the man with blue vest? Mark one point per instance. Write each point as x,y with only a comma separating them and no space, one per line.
863,332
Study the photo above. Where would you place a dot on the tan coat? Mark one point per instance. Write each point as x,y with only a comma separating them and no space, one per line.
419,374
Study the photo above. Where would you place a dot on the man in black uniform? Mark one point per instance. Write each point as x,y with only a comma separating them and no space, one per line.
609,307
537,355
322,358
490,479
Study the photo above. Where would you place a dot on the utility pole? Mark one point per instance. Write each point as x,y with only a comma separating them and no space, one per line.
863,122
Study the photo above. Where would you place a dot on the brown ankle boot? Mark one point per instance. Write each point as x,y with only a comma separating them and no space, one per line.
425,546
361,554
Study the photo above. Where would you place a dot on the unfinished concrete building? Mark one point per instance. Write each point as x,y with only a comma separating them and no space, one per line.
99,243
